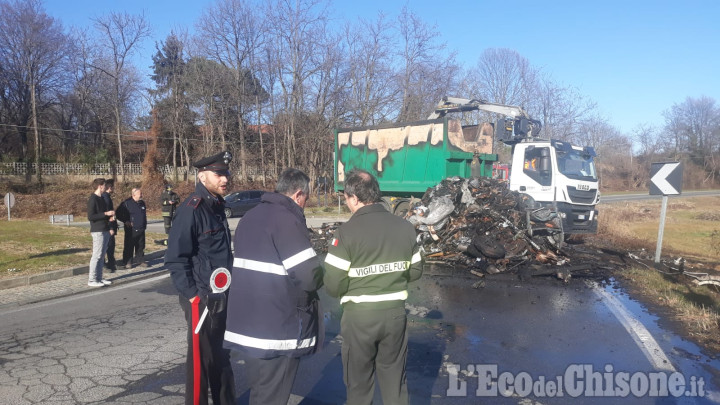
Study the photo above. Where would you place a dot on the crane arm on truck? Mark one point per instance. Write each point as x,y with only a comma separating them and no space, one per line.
456,104
510,130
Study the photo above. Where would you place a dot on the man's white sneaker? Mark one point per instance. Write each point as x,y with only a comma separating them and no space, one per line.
95,284
105,282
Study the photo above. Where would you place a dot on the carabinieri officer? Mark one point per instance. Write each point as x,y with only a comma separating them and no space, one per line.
199,243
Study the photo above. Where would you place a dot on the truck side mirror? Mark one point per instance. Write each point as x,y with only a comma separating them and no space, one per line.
545,165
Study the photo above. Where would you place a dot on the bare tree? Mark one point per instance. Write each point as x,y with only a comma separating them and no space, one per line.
210,91
371,92
169,74
230,33
561,110
297,30
328,85
504,76
694,125
268,79
120,37
647,138
87,86
427,74
650,147
34,52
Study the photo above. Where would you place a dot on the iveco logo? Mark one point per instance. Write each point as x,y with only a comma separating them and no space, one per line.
583,187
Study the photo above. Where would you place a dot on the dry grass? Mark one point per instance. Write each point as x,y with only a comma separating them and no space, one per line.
34,247
697,308
692,230
691,226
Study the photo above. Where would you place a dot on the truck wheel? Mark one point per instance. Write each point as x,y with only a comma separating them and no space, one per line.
402,208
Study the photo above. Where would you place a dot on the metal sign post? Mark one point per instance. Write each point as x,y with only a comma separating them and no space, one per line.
9,202
663,210
665,179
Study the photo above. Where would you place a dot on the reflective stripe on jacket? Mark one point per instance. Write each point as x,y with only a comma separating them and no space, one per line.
273,307
372,258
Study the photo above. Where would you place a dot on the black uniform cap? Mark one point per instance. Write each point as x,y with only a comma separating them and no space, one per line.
217,163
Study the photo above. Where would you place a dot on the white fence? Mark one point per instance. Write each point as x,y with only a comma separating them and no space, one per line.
97,169
100,169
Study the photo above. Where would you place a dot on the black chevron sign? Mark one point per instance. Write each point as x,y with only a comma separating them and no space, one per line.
666,178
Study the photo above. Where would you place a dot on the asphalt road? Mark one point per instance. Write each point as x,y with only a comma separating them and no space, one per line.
646,196
126,345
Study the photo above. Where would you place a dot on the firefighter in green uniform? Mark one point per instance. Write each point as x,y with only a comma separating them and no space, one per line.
169,200
368,266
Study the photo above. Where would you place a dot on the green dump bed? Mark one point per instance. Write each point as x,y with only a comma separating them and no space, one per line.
409,158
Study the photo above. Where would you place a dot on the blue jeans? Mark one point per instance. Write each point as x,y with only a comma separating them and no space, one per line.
100,244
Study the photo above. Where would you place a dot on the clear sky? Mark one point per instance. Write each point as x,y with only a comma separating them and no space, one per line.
634,58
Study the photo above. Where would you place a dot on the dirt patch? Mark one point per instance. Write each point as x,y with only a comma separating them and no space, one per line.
708,216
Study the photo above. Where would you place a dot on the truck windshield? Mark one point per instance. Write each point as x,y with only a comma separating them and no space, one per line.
576,165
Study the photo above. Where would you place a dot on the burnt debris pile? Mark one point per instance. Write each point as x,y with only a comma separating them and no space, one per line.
321,236
480,225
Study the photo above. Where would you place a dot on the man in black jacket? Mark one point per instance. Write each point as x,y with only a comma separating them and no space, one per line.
368,266
110,262
98,215
199,244
132,213
273,306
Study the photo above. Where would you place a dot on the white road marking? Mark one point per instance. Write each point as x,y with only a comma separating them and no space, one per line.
637,331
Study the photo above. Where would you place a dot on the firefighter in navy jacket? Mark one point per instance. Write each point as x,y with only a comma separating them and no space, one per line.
368,266
273,314
199,243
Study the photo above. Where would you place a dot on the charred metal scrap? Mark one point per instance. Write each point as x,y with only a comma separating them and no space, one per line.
480,225
319,237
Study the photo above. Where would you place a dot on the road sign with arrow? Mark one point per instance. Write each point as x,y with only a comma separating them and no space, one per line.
666,178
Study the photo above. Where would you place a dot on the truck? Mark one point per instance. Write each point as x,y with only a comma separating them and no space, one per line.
555,175
408,158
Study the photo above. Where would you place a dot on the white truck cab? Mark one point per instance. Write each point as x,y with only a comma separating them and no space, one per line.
552,175
558,176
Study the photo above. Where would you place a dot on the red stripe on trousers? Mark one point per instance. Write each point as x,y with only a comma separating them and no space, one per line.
195,304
